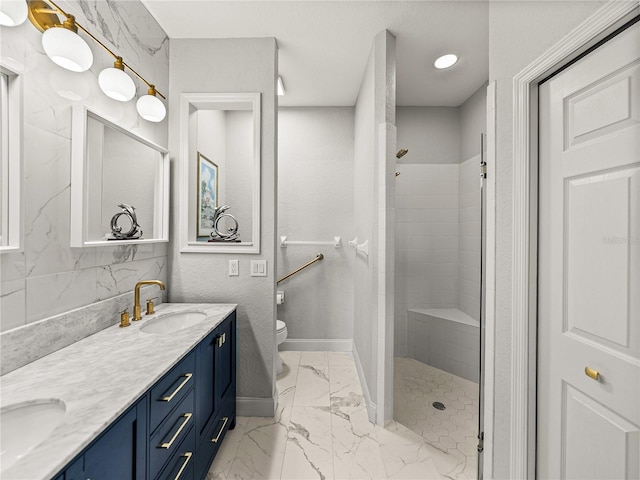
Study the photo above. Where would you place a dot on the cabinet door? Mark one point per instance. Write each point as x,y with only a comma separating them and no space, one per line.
119,453
215,373
225,359
204,385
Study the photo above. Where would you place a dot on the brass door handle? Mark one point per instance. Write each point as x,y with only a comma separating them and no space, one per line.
187,417
217,437
591,373
188,456
168,398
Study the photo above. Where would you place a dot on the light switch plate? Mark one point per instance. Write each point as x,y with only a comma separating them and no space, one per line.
258,268
233,268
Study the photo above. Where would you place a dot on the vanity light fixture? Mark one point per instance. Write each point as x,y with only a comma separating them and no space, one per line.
150,107
115,83
13,12
446,61
280,87
65,47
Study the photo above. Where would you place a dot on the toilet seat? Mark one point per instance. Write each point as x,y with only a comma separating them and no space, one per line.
280,326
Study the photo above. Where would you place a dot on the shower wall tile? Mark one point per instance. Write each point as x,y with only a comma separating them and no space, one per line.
470,238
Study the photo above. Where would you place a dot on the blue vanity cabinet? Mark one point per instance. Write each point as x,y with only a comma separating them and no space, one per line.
120,452
177,426
215,392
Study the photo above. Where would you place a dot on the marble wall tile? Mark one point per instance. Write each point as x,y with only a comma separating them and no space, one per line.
122,277
49,295
47,181
12,304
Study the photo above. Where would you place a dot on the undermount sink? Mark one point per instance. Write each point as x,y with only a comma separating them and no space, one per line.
25,425
172,322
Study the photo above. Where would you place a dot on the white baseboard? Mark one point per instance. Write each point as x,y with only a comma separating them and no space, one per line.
313,344
371,406
255,407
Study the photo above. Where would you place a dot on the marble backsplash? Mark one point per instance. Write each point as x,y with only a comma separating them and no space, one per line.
28,343
47,277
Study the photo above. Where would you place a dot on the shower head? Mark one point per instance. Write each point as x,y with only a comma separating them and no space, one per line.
401,153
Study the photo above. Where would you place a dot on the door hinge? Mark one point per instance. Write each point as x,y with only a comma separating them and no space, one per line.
480,442
483,169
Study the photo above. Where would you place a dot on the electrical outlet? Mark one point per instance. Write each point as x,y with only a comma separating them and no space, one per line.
233,268
258,268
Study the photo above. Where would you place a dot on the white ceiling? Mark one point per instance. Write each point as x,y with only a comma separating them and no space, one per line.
324,45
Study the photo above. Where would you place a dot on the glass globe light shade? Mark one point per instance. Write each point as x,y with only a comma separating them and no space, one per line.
66,49
13,12
151,108
116,84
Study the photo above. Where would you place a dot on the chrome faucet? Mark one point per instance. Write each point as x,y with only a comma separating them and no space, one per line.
137,314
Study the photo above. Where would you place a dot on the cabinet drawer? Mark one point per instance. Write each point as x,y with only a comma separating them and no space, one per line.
180,466
209,445
171,389
168,436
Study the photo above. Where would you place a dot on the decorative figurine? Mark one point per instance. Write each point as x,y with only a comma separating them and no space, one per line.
116,230
231,234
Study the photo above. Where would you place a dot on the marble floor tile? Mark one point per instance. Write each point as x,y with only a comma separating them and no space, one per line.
407,456
318,434
286,384
261,450
312,387
344,386
314,358
340,358
356,450
290,358
228,450
308,454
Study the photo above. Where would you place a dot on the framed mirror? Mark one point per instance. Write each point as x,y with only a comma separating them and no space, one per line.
220,172
11,168
119,184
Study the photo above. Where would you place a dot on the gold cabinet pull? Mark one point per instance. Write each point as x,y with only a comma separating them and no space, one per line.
215,440
168,398
187,417
188,456
591,373
222,339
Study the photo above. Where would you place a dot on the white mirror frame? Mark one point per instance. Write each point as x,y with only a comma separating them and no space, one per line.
78,182
11,161
201,101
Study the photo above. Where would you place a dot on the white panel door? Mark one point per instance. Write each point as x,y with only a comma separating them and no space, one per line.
588,266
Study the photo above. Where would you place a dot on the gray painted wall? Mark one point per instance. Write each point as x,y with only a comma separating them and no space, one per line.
315,202
232,65
519,32
48,277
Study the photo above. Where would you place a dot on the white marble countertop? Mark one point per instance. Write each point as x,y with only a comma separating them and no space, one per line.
98,378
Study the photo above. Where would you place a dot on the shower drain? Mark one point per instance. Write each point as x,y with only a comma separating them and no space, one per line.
438,405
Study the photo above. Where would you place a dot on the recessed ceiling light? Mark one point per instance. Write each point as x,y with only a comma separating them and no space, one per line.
445,61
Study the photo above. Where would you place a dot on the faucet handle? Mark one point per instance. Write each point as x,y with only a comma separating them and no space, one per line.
150,306
124,319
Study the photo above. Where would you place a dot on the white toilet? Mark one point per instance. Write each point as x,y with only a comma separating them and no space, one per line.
281,336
